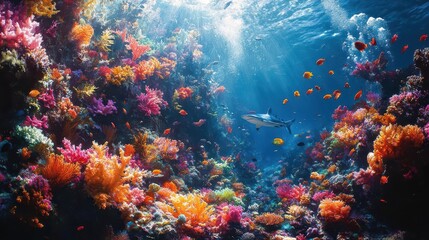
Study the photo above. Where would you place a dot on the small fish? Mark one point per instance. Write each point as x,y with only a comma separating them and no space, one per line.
327,96
227,5
352,152
307,75
124,111
156,172
254,160
320,61
336,94
317,87
423,37
373,42
404,48
278,141
219,89
358,95
331,72
394,38
113,125
383,201
285,101
300,144
167,131
80,228
296,94
347,85
34,93
360,46
309,91
183,112
229,130
205,162
127,124
199,123
384,179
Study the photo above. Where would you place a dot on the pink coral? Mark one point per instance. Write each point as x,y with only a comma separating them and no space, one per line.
42,123
150,103
319,196
167,147
17,29
137,196
73,153
426,130
48,99
289,192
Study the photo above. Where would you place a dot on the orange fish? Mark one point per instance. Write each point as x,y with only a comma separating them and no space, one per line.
25,153
346,85
317,88
167,131
373,42
394,38
113,125
220,89
351,152
285,101
296,94
384,179
358,95
360,45
183,112
205,162
331,72
309,91
327,96
34,93
124,111
404,48
337,94
307,75
423,37
320,61
229,129
156,172
127,124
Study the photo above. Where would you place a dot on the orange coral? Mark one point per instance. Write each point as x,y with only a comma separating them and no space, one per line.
56,75
168,148
184,92
120,74
170,185
269,219
146,151
41,7
192,206
136,49
146,69
164,70
58,172
129,150
333,210
104,176
82,34
317,176
67,106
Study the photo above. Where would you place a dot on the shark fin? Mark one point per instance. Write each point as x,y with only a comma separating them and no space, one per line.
269,111
288,128
257,127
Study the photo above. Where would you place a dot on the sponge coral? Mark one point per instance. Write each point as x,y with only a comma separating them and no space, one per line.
333,210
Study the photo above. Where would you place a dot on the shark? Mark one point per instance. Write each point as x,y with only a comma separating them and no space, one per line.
267,120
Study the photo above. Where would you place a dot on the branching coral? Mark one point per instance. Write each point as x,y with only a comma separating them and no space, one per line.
42,123
81,34
98,107
41,7
106,40
192,206
136,49
120,74
145,69
104,176
333,210
66,106
58,172
290,193
74,154
151,102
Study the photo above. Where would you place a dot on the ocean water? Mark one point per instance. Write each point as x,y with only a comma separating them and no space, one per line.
166,86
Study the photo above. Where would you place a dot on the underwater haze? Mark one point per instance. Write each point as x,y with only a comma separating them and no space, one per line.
214,119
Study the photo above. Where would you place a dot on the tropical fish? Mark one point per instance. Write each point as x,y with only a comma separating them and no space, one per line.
267,120
404,48
127,124
327,96
229,129
205,162
309,91
394,38
227,5
307,75
34,93
320,61
113,125
358,95
423,37
346,85
219,89
285,101
331,72
360,46
352,152
199,123
183,112
278,141
296,94
317,87
373,42
300,144
156,172
124,111
384,179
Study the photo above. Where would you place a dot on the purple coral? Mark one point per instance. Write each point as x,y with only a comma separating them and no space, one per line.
42,123
73,153
426,130
150,103
48,99
17,29
98,107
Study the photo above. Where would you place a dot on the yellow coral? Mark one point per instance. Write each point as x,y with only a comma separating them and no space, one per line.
120,74
41,7
106,40
192,206
295,211
104,176
86,91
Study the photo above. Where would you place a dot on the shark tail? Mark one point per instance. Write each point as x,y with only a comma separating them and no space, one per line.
288,126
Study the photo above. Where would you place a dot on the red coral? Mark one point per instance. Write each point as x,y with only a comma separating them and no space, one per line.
136,49
150,103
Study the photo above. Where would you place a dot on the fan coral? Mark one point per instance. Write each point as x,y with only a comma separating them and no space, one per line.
58,172
104,176
41,7
269,219
17,29
333,210
42,123
167,148
192,206
119,75
98,107
81,34
150,103
136,49
74,154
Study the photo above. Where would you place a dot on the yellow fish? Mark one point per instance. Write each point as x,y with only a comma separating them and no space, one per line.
278,141
331,72
296,94
308,75
34,93
285,101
